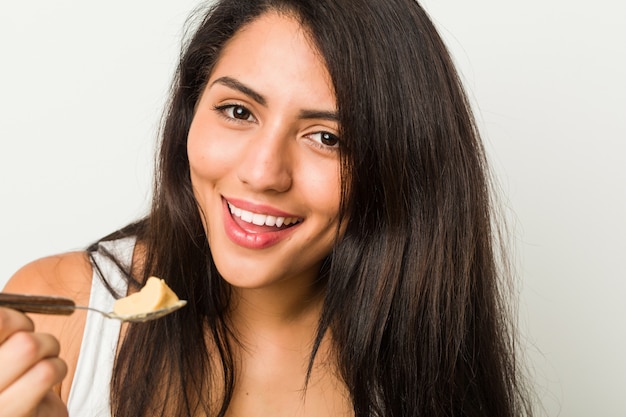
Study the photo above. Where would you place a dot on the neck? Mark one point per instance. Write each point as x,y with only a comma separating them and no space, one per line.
286,310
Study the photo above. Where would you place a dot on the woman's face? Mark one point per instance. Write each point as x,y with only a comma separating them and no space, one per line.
264,158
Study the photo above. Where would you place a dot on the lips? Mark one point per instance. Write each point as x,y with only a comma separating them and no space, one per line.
257,227
260,219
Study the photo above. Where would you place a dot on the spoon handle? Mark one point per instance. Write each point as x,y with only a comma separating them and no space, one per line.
40,304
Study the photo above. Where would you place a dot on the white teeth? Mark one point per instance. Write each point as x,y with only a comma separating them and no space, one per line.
246,216
261,219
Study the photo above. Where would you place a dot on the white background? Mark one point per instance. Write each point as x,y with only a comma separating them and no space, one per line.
82,86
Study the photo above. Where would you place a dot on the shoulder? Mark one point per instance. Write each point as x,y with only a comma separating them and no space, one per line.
65,275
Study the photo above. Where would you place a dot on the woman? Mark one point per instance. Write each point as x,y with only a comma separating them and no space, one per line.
322,203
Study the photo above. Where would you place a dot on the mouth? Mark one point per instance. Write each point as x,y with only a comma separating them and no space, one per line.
254,222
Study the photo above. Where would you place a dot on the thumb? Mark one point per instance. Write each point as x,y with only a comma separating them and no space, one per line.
51,406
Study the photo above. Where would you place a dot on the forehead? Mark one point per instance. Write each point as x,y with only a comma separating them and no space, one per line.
275,50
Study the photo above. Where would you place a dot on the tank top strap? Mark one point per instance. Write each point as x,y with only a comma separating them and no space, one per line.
90,391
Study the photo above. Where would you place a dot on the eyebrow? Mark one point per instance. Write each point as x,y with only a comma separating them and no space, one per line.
259,98
315,114
236,85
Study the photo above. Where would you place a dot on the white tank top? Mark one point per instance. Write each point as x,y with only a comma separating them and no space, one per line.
90,391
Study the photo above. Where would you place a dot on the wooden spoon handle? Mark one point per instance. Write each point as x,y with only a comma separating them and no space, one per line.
41,304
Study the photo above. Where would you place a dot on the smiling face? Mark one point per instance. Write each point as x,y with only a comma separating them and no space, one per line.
264,158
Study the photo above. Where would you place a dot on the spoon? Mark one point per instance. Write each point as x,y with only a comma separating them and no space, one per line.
65,306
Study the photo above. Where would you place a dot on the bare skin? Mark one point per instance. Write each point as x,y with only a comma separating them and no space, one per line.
272,364
264,140
56,339
280,158
30,368
274,360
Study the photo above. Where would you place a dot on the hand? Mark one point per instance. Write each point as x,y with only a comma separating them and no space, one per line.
30,366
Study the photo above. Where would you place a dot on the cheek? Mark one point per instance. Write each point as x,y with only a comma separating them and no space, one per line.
199,159
195,148
208,158
208,165
332,197
323,187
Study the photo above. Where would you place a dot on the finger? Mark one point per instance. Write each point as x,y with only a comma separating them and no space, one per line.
51,406
31,391
22,351
12,321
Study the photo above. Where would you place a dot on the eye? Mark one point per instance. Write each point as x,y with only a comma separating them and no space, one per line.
325,139
236,111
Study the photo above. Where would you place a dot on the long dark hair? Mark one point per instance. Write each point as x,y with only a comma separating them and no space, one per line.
425,331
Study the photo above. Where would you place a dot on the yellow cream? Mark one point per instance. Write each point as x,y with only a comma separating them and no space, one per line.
155,295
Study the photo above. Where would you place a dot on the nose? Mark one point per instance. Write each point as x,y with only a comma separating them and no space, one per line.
267,162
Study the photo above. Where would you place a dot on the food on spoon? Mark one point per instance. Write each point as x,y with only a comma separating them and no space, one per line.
155,295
